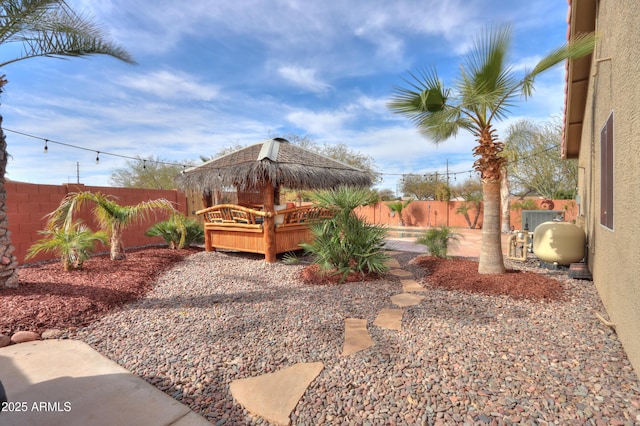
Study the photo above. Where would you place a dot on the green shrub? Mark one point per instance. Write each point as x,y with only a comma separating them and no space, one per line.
345,243
397,207
73,244
171,231
526,204
437,240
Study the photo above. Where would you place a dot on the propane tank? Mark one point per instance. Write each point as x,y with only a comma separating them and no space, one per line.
559,242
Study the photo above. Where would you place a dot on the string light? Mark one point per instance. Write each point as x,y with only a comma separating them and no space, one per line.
144,164
48,141
184,166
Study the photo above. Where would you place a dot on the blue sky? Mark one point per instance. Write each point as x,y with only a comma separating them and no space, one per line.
211,74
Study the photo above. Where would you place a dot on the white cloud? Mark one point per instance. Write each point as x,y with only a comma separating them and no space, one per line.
171,85
320,124
304,78
527,63
214,73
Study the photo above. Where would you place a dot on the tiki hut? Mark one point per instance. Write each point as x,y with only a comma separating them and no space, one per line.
257,173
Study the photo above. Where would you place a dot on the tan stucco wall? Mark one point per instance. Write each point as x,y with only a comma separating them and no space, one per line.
614,255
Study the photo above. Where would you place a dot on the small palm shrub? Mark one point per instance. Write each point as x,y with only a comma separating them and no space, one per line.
112,217
345,244
74,244
398,207
526,204
178,231
437,240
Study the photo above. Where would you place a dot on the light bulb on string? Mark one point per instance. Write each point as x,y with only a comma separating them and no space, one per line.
144,164
97,157
46,148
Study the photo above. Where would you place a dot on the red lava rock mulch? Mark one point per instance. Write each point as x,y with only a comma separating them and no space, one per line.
312,274
49,297
462,274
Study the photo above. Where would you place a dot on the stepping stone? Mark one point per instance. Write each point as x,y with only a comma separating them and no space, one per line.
411,286
389,318
273,396
400,273
356,336
392,263
406,299
392,252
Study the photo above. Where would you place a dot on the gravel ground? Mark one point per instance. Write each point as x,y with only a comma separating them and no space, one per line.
460,358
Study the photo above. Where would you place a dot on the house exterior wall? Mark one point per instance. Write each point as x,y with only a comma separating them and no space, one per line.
613,255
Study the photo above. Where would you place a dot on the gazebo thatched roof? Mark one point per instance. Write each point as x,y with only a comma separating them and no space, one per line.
276,161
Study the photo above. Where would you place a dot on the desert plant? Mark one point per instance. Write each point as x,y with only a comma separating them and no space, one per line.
526,204
290,258
398,207
178,232
41,28
74,244
345,244
486,88
437,240
464,210
113,217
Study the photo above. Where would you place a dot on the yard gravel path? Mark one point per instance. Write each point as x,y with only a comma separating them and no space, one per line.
459,359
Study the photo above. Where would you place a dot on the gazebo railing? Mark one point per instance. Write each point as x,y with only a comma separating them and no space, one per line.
233,227
232,214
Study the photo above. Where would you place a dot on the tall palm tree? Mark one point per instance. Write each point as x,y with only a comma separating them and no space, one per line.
44,28
483,93
112,217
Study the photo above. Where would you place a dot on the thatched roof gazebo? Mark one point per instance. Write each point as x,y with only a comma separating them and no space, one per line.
263,169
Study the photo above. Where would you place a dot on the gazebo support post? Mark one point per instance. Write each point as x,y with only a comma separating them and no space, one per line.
268,196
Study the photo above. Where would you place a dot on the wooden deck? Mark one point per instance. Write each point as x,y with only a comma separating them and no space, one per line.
233,227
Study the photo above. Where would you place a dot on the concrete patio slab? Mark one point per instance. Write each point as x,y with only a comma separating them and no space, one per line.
273,396
390,319
66,382
412,286
403,300
356,336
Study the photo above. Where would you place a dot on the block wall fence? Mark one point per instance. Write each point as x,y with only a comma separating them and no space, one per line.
439,213
28,204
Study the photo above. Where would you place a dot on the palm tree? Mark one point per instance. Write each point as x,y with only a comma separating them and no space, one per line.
44,28
112,217
484,91
73,245
397,207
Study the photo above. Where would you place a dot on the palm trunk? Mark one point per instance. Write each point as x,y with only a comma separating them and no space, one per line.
491,260
506,204
465,214
8,262
478,206
117,248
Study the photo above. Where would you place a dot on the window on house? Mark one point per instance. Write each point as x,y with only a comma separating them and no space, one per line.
606,173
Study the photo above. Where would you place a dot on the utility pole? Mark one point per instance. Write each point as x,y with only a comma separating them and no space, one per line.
78,172
448,192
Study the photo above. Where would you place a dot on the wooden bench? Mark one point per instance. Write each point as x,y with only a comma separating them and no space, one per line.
233,227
